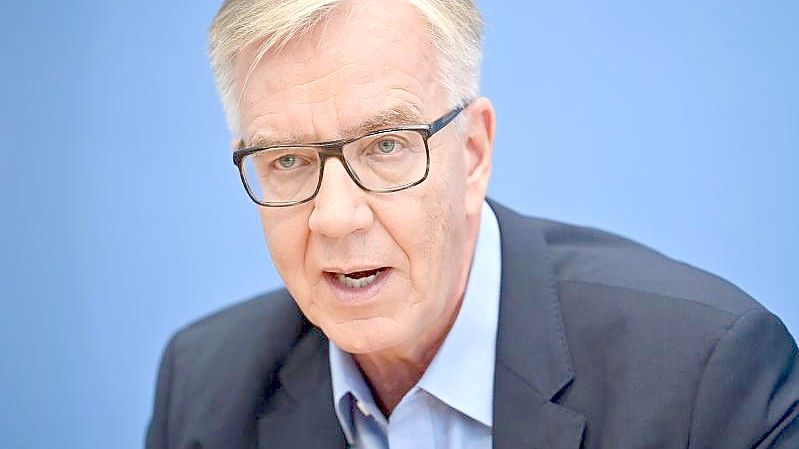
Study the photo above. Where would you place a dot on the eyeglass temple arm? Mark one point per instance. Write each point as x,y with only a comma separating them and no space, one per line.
237,153
448,117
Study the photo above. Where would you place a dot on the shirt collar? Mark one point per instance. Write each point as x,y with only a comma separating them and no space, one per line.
462,372
348,387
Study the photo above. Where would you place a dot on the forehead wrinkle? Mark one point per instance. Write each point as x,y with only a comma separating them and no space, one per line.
398,115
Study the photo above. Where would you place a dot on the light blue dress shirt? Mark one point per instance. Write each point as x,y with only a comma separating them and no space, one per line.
452,404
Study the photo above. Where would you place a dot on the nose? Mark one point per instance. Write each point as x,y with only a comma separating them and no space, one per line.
339,207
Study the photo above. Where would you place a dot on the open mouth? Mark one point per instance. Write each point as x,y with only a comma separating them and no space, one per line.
358,279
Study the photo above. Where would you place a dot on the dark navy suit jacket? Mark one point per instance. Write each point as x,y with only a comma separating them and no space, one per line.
603,343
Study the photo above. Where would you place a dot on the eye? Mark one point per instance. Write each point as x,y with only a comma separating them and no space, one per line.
388,146
287,162
385,146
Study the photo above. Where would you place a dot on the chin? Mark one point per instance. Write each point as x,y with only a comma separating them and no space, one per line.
364,336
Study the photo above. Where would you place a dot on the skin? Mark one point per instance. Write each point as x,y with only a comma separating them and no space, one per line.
316,88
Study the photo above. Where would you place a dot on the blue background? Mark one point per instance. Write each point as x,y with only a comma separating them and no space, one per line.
676,124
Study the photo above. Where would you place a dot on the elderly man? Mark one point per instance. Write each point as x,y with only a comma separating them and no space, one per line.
415,314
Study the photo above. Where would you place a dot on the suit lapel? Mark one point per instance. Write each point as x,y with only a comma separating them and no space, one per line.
300,413
533,361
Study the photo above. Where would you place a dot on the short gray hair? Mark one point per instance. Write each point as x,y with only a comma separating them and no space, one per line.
456,29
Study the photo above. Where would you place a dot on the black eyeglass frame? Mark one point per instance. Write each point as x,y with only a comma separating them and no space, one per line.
335,149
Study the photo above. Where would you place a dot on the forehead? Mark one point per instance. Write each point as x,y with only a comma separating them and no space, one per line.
365,59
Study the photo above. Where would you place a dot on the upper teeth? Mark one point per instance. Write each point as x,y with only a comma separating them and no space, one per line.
356,283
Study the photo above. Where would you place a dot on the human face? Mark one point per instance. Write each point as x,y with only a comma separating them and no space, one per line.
368,65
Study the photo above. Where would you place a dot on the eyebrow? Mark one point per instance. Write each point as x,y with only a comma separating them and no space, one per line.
398,115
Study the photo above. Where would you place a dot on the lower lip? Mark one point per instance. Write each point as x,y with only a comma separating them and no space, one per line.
353,296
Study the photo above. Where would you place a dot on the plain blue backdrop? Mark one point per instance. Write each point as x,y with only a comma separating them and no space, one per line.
674,123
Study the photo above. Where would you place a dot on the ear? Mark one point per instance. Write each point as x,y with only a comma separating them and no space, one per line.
479,141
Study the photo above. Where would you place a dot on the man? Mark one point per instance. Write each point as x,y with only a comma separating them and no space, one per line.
415,314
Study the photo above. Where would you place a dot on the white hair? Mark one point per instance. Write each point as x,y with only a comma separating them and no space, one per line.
455,28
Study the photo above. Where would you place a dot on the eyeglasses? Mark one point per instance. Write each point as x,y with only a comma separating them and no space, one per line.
387,160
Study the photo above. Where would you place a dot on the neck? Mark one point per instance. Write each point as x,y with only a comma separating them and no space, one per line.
393,372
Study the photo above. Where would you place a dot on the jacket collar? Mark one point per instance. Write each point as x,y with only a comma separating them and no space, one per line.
533,360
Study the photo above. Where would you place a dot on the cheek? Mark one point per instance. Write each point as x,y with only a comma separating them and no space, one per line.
445,220
433,256
287,238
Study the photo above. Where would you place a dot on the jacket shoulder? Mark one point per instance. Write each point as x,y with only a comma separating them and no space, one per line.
600,259
269,317
242,343
649,335
225,361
